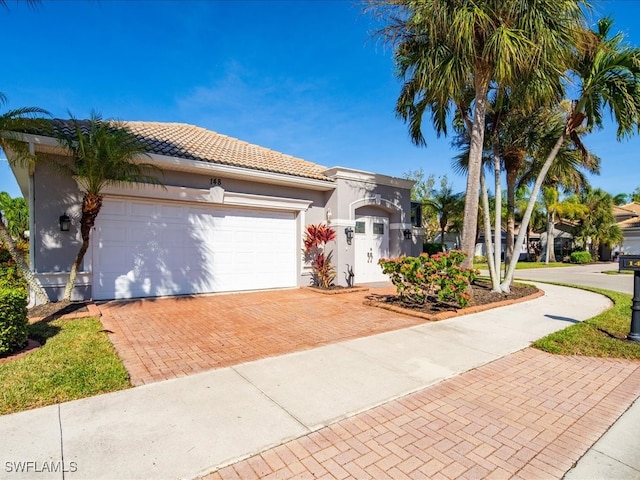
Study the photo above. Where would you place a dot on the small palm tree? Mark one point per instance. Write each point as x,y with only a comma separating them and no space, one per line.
597,223
446,205
11,122
103,153
15,214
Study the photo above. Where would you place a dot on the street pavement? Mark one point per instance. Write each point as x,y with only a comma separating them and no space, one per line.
585,275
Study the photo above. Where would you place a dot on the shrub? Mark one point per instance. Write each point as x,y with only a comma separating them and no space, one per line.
580,257
416,278
431,248
13,320
316,238
480,259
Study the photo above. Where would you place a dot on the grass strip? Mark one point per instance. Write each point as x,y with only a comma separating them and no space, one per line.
528,265
601,336
77,360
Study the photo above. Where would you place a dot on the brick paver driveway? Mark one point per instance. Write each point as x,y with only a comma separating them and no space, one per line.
166,338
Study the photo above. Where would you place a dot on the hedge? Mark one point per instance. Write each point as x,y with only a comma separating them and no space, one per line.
580,257
13,320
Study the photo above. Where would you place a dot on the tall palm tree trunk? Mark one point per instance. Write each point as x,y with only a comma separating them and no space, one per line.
488,244
91,205
472,199
550,253
25,271
510,250
498,210
508,279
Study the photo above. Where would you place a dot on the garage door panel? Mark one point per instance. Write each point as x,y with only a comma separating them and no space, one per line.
172,249
144,210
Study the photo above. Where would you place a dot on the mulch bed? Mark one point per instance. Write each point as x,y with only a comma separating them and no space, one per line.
56,309
432,309
336,290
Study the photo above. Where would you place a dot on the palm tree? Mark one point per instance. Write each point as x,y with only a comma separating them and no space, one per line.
621,199
513,135
442,48
11,122
598,222
557,208
445,204
538,218
15,214
609,76
567,173
103,153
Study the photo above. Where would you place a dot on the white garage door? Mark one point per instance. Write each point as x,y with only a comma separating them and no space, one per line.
148,249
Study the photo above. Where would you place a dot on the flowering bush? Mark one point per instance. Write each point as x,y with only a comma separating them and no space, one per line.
416,278
316,238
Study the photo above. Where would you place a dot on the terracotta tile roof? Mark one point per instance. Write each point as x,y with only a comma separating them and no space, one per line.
630,223
633,207
620,211
195,143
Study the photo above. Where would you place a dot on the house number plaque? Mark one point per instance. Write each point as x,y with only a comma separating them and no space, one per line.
216,182
629,262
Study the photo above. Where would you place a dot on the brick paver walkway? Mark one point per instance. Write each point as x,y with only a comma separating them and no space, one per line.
530,415
167,338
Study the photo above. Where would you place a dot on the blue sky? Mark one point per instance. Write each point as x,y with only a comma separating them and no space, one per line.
301,77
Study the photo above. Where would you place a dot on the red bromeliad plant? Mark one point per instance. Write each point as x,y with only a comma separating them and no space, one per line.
417,278
316,238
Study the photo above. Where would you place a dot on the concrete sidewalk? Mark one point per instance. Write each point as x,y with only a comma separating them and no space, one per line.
190,426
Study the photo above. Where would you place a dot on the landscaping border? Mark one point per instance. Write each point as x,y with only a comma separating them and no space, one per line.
452,313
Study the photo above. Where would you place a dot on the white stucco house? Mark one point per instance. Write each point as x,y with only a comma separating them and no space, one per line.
231,218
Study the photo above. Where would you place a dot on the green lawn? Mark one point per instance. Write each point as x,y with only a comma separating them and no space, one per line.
525,265
77,361
601,336
616,272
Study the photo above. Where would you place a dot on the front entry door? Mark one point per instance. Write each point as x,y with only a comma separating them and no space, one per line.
371,244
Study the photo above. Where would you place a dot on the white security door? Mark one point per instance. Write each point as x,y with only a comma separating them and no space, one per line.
371,244
148,249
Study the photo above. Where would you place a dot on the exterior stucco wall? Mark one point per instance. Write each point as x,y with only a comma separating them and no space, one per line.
54,193
366,194
355,194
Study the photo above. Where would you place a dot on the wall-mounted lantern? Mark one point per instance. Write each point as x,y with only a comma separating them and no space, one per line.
349,233
407,234
65,222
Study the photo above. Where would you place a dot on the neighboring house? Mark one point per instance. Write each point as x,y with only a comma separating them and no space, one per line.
563,239
481,246
232,218
628,219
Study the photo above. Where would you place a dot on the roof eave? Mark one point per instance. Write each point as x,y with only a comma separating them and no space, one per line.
227,171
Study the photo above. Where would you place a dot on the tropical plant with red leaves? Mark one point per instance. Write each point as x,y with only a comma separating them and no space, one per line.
316,238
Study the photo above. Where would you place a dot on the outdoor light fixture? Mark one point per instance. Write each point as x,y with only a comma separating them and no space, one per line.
349,233
65,222
407,234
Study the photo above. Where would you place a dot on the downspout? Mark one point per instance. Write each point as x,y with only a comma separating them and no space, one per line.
31,203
